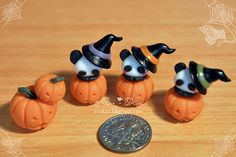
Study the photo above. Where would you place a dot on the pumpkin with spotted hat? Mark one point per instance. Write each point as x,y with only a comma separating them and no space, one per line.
135,83
184,102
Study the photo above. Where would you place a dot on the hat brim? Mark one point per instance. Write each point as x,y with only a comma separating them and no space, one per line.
194,76
96,60
139,56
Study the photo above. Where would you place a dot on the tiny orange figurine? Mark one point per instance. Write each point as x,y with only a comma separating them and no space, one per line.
184,101
88,85
50,88
135,83
30,112
88,92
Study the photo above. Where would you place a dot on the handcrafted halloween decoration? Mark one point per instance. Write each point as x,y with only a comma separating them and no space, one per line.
29,112
139,91
184,101
95,57
135,81
50,88
88,92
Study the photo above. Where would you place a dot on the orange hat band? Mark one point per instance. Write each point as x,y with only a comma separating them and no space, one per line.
148,55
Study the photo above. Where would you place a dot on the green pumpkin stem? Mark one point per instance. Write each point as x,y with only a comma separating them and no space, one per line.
57,79
27,92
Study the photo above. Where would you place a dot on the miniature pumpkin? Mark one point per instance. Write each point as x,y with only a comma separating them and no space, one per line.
183,108
88,92
50,88
29,112
138,91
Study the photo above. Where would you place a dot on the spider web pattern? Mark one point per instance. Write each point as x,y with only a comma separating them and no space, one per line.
212,34
11,11
223,146
222,16
219,13
12,145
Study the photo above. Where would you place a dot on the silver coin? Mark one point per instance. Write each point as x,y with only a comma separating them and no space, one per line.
125,133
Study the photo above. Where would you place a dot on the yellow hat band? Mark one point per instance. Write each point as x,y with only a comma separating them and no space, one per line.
148,55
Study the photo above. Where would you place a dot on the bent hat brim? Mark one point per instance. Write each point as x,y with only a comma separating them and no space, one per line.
96,60
194,76
139,56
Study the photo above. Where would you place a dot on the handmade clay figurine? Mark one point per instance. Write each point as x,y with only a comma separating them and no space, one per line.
184,101
50,88
29,112
88,85
135,83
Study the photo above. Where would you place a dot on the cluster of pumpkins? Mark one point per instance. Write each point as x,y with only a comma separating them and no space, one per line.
34,107
184,101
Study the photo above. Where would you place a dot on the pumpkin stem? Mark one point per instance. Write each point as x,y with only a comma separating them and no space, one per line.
27,92
57,79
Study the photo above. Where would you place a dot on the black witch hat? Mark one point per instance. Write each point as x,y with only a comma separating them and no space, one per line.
203,76
98,53
148,56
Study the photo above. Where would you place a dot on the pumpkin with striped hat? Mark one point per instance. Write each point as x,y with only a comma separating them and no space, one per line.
135,83
203,76
148,56
184,101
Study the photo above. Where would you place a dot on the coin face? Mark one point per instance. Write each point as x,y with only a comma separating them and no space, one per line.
125,133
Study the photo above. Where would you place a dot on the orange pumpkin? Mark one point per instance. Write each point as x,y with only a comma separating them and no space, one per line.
29,112
138,91
88,92
50,88
183,108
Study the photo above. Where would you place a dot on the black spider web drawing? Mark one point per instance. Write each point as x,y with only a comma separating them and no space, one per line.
11,11
220,15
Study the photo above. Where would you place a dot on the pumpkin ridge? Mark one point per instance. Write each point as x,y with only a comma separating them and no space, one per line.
88,100
150,86
144,84
186,109
100,89
41,112
131,94
118,82
53,91
122,81
43,85
169,106
50,88
61,87
132,91
25,111
103,83
172,104
16,104
76,88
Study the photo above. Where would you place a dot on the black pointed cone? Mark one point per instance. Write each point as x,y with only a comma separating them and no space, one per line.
216,74
104,44
158,49
211,75
223,76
